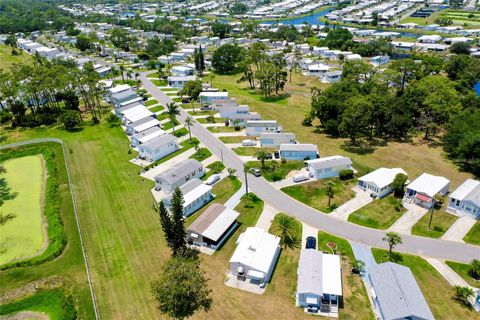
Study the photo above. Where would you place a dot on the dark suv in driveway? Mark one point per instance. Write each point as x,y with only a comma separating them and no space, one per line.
311,243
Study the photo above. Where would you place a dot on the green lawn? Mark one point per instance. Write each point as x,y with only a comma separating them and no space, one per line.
233,139
198,112
201,154
251,151
356,304
159,83
279,173
435,288
441,221
151,102
69,266
462,269
222,129
379,214
314,193
168,125
54,303
23,236
473,236
213,168
156,109
216,120
7,59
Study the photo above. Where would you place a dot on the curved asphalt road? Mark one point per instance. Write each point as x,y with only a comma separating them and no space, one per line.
434,248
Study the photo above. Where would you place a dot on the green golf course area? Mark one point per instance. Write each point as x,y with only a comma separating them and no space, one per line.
22,235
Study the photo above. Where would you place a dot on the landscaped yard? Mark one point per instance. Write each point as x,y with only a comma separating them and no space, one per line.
251,151
379,214
156,109
7,59
199,112
356,304
441,221
213,168
435,288
215,120
151,102
473,236
279,173
415,158
462,269
314,193
234,139
159,83
201,154
23,236
223,129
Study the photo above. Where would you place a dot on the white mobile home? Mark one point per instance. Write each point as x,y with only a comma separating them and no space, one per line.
196,194
207,97
178,174
240,119
319,285
465,200
212,227
255,256
158,148
298,151
179,81
141,125
379,182
257,127
182,71
273,139
328,167
422,191
145,136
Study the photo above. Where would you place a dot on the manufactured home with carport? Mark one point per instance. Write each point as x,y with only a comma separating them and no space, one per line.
379,182
178,174
141,125
146,135
196,194
212,227
422,191
328,167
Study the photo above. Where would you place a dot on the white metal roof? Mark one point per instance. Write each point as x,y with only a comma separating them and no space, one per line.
136,117
151,135
329,162
382,177
256,249
196,193
469,190
213,94
146,125
298,147
138,109
319,273
126,103
428,184
220,225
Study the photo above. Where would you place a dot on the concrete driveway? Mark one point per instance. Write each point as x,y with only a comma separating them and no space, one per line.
361,199
265,219
459,229
409,219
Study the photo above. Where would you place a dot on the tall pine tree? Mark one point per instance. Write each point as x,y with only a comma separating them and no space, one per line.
199,60
166,223
177,220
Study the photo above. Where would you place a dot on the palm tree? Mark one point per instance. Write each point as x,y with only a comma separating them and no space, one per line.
329,190
474,271
231,172
274,165
129,74
463,294
392,239
262,155
246,167
286,228
137,75
189,122
122,70
172,111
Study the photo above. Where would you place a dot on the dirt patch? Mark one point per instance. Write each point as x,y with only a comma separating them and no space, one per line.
26,315
31,288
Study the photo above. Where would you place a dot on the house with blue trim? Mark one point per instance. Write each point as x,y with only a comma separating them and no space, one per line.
298,151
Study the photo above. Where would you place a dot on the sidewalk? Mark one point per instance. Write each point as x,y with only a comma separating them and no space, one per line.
459,229
451,276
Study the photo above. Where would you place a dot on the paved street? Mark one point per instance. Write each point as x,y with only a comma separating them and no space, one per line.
411,244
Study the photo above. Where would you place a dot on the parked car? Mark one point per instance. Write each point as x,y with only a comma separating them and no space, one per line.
300,177
276,154
212,179
311,243
256,172
249,143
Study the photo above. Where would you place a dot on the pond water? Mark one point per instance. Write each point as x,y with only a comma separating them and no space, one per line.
312,18
476,87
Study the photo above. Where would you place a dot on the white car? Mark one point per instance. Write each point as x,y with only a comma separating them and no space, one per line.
212,179
300,177
249,143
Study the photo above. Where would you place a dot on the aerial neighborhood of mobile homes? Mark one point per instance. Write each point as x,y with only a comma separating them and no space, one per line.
249,179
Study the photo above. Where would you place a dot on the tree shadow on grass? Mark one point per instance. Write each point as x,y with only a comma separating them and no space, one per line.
358,148
276,98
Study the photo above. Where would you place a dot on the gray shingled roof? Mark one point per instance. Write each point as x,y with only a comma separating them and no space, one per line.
398,293
178,171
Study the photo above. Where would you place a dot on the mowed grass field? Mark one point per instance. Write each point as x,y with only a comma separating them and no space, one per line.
124,241
23,236
7,59
414,157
